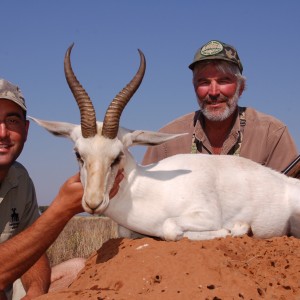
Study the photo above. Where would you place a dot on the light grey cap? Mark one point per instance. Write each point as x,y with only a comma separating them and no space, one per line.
12,92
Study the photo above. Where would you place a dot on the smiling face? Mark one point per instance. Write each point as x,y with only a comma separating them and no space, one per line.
13,134
217,90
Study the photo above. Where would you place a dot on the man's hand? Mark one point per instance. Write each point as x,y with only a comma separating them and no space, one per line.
70,195
71,192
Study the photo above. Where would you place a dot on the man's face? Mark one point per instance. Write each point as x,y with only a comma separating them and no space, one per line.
217,92
13,132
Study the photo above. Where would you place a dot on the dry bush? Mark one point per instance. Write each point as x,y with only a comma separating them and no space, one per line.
80,237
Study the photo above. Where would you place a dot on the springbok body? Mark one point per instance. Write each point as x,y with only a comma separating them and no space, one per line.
187,195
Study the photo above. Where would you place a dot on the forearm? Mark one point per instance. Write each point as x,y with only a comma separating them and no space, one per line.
2,296
28,246
36,280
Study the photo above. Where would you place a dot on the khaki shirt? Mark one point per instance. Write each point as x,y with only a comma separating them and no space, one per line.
265,140
18,204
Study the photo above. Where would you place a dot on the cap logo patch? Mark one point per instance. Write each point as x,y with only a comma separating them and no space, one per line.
211,48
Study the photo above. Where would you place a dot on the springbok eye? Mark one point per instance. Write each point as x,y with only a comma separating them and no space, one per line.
78,157
117,160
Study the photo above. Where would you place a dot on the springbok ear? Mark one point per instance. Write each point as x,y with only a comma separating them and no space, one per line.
148,138
57,128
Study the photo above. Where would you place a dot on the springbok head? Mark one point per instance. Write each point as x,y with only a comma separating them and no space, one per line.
100,147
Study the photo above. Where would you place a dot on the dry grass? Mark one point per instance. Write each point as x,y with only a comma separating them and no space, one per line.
80,237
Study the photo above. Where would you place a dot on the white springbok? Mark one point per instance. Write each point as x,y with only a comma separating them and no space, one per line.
188,195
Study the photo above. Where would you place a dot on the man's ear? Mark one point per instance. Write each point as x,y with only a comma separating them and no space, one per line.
242,86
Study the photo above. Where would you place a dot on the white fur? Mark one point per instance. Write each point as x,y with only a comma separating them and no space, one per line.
187,195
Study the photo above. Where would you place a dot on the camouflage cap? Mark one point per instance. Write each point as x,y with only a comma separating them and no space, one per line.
217,50
12,92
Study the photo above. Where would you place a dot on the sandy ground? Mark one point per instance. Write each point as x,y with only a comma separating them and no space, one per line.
229,268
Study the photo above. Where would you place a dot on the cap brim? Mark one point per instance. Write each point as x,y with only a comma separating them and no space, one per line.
192,65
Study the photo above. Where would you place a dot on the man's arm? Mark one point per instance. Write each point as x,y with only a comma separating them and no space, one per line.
29,245
283,150
36,280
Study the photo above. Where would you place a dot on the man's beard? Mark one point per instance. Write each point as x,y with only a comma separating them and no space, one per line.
215,114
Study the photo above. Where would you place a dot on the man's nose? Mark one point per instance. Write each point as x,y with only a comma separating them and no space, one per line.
214,88
3,130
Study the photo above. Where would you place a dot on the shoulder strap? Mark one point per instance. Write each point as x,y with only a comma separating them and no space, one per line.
242,116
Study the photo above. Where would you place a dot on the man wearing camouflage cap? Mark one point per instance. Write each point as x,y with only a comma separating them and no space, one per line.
220,126
19,208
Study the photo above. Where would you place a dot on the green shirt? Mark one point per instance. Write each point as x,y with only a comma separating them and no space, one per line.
18,204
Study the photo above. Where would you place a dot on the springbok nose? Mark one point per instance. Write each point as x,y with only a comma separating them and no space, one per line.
92,206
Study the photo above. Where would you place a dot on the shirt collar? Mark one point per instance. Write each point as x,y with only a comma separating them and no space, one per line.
201,136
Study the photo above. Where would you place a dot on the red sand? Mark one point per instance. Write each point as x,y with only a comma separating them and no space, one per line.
229,268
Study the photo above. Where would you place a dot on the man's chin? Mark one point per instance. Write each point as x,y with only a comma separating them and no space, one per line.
216,115
6,162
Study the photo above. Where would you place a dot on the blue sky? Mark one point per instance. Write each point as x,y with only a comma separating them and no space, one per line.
107,34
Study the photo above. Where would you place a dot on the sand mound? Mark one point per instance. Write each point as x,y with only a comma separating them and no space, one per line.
229,268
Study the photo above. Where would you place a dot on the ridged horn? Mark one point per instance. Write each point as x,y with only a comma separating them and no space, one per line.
87,111
114,111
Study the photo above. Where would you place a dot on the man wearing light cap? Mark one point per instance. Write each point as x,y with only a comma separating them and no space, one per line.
24,235
19,208
220,126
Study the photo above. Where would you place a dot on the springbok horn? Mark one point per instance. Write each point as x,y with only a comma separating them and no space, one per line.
87,111
114,111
